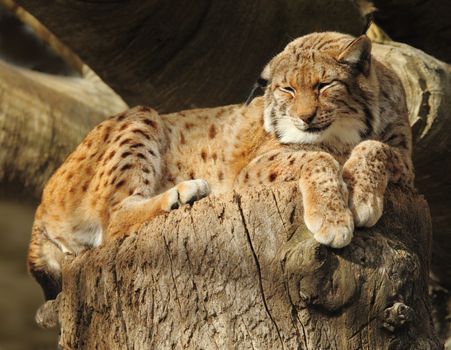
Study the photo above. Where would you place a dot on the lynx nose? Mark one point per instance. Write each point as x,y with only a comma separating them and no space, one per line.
307,118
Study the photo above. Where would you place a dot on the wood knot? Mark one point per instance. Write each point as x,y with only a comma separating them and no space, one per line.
316,275
396,316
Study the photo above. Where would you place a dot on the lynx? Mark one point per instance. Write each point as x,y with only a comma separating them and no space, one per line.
332,118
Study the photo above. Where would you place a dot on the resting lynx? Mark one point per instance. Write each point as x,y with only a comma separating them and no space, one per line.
332,118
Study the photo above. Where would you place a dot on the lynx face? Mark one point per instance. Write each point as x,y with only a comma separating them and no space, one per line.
321,89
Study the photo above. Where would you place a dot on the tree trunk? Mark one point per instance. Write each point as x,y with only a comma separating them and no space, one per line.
176,54
43,118
242,271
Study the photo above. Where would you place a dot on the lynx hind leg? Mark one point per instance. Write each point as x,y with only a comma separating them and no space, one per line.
325,198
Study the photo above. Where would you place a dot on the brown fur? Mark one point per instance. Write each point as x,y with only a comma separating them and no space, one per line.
139,164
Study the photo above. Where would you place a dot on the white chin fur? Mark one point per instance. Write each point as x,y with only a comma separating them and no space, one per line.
345,131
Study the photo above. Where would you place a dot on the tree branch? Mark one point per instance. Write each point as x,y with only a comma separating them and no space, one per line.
42,119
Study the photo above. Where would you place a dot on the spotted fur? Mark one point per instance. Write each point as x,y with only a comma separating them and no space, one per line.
332,118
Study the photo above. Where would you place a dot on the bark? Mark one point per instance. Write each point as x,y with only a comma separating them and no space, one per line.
242,271
176,54
43,118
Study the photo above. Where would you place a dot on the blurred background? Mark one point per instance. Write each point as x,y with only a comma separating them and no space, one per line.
67,65
20,295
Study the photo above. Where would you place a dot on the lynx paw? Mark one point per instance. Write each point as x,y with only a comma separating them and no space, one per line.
336,232
186,192
367,209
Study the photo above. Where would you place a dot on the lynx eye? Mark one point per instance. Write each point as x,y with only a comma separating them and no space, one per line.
288,90
324,85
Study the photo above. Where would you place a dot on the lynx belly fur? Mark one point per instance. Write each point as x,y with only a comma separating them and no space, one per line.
332,118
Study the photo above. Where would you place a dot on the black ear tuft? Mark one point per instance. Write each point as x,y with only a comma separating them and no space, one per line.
259,85
369,18
357,54
261,82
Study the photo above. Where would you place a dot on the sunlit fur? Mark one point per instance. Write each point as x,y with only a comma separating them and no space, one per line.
344,102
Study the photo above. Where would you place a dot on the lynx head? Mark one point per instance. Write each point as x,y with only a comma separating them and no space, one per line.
322,88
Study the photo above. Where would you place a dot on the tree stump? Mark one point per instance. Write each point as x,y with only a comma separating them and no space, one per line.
242,271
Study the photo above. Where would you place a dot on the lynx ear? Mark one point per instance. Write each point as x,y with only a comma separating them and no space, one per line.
358,54
260,84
